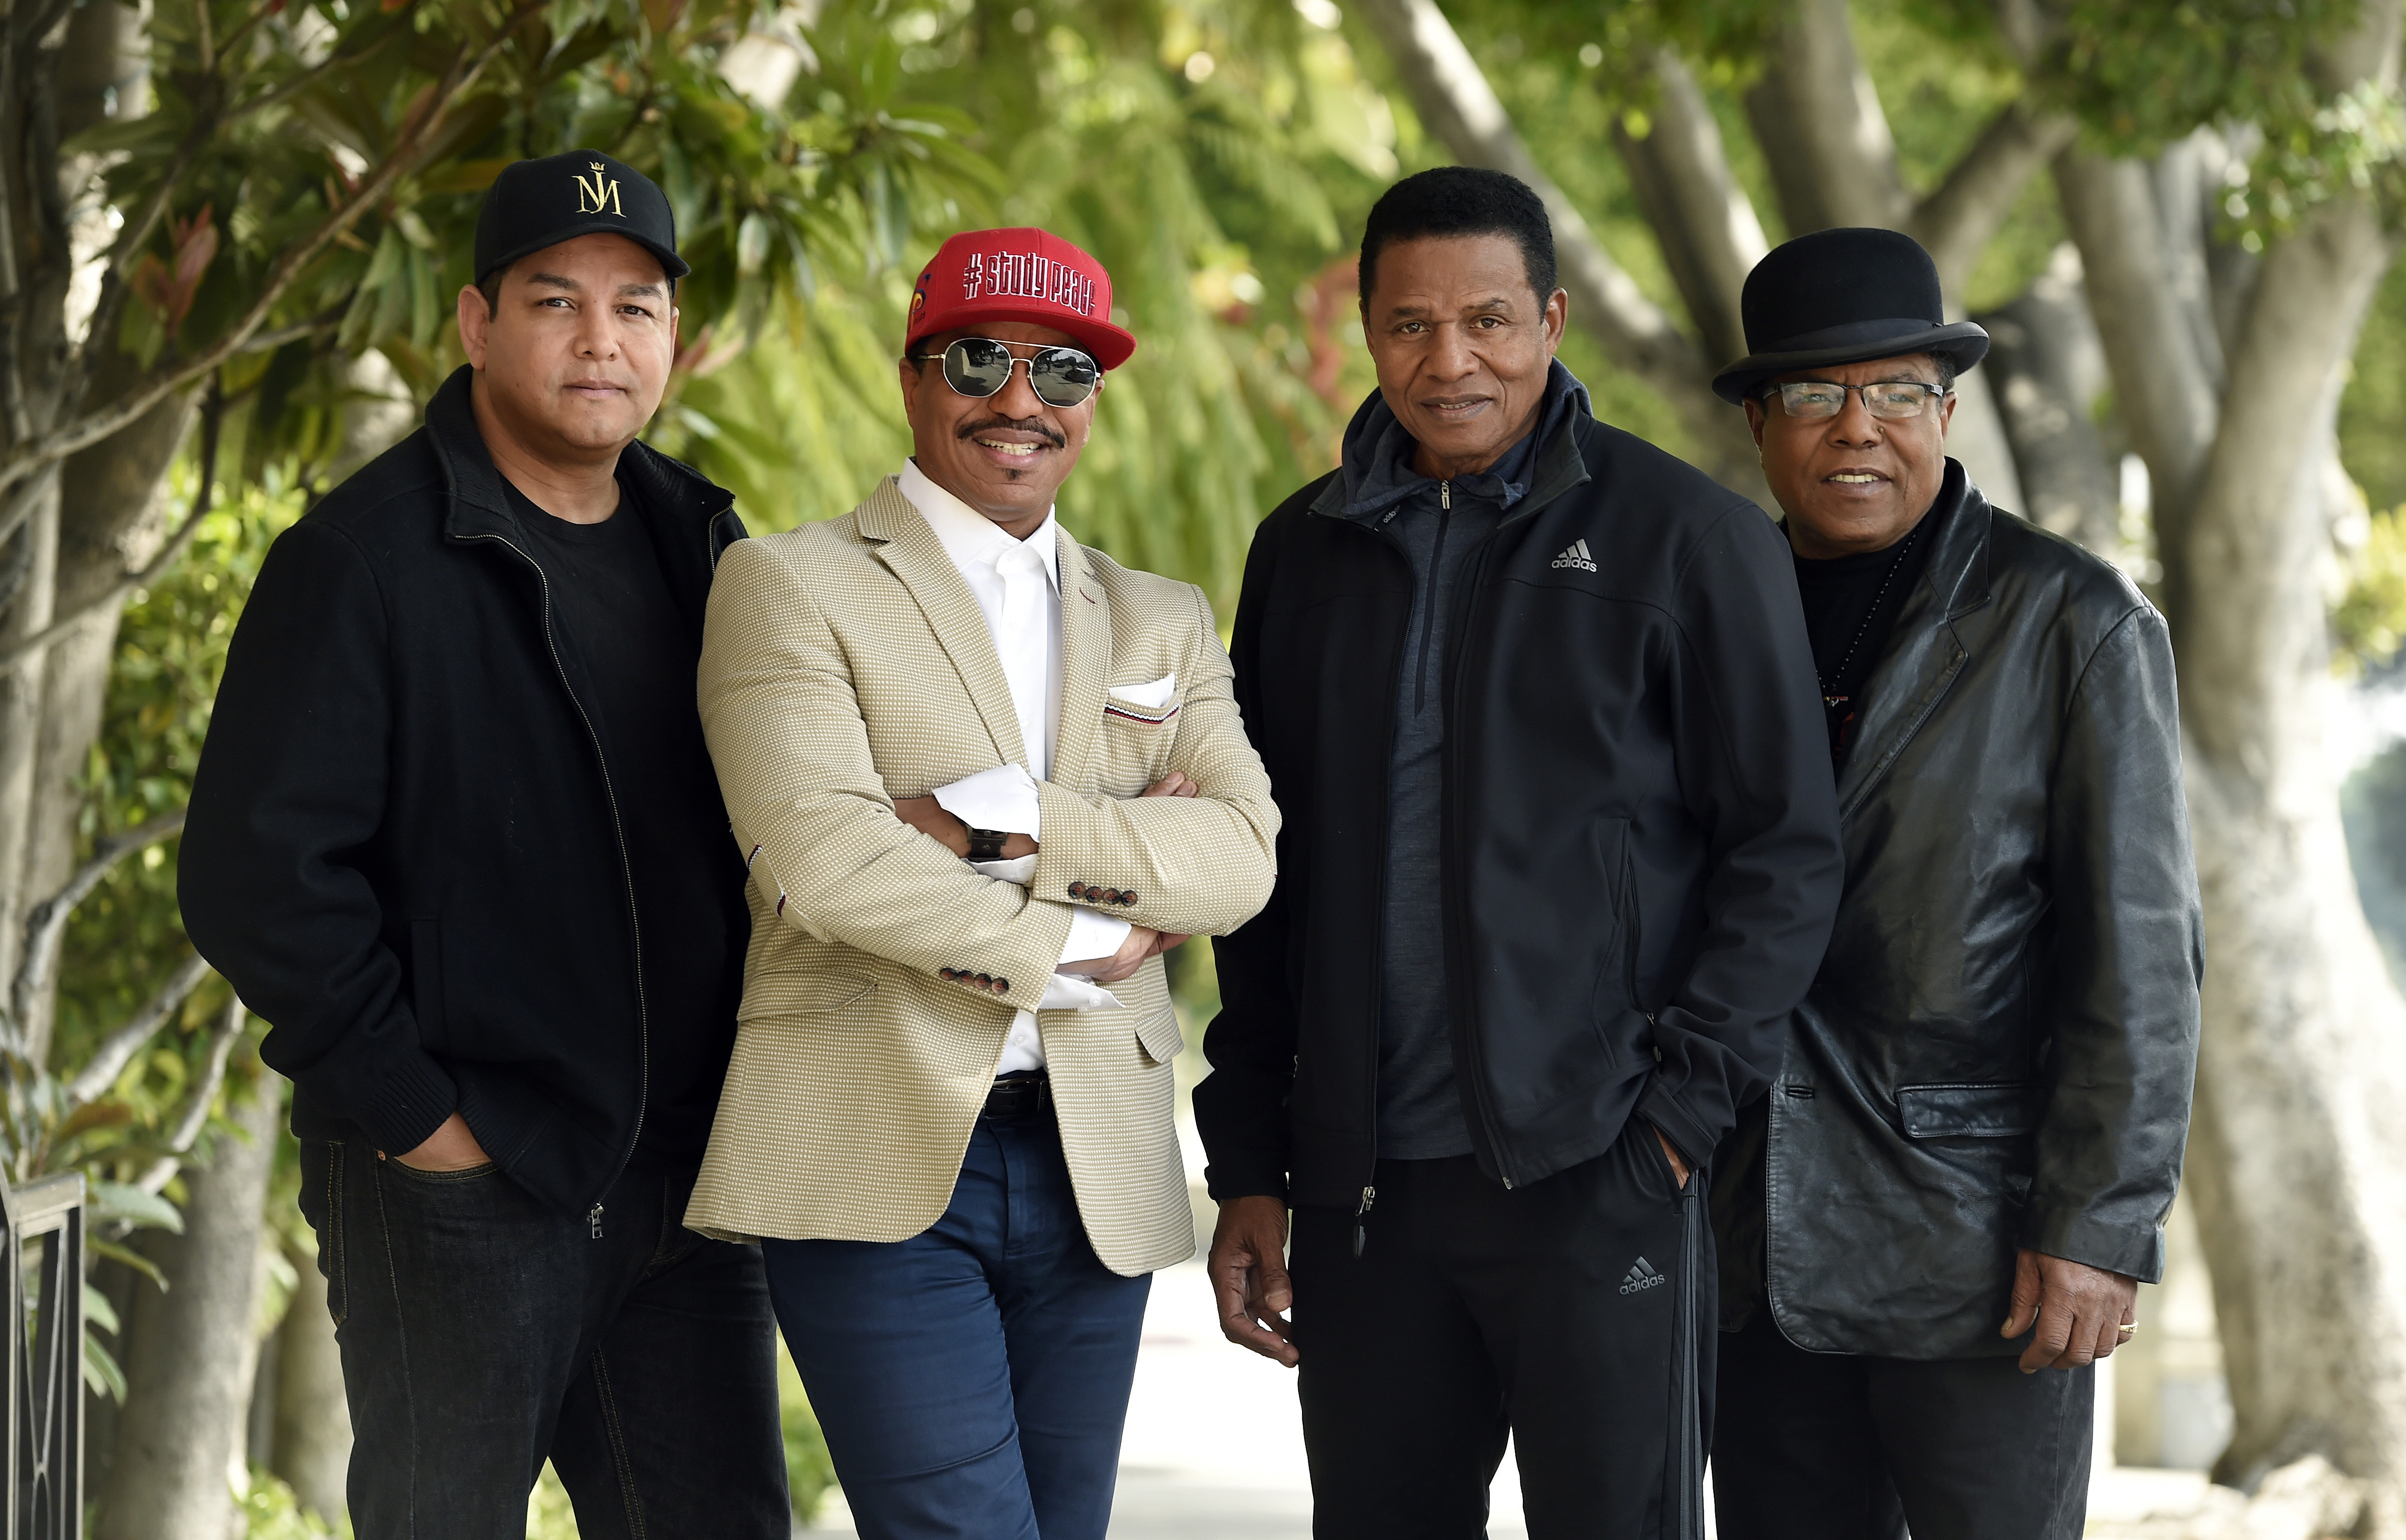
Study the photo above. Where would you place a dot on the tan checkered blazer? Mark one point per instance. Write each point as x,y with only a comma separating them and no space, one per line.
845,664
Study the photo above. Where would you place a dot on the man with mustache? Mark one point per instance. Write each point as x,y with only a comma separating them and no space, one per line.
982,777
1937,1220
454,833
1560,855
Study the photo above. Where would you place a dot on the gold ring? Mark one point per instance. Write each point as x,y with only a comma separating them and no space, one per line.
2127,1329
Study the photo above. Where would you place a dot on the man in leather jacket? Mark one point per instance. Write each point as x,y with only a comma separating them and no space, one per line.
1558,857
1938,1219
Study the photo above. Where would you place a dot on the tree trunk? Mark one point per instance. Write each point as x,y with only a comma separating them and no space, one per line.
1701,217
89,516
2297,1156
33,552
109,521
2164,379
311,1447
1823,132
2046,368
1454,98
191,1351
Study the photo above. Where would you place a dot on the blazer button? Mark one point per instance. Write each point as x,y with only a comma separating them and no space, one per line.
1127,897
1077,890
1002,987
947,973
983,980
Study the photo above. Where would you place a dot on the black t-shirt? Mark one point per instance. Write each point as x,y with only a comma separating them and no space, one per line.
1850,606
638,653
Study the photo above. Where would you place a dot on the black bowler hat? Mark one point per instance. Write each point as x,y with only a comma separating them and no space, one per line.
535,203
1843,296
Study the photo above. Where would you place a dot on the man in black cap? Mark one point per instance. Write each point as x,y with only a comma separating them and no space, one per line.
456,834
1938,1219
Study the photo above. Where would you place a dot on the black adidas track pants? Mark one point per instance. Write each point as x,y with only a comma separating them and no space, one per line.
1564,1314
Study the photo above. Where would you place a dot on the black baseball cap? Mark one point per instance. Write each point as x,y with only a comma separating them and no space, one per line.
535,203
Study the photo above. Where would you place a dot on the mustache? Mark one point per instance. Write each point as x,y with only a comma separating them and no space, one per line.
1038,426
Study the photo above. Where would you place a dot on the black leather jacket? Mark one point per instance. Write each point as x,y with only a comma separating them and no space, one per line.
1998,1051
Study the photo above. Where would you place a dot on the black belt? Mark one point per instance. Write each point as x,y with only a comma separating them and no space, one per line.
1023,1094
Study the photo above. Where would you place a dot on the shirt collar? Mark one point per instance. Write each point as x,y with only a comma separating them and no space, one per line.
968,536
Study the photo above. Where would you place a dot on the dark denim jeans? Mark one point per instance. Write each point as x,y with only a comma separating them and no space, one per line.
972,1380
1833,1446
482,1331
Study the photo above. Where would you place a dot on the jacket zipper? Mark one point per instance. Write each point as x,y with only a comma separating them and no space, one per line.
1428,610
1370,1081
626,865
1481,1094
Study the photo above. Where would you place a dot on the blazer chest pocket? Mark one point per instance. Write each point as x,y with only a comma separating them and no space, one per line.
1137,738
1994,1111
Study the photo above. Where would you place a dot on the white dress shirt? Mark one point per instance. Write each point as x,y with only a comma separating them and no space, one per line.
1017,584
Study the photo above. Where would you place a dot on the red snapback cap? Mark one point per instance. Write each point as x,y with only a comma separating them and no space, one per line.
1024,275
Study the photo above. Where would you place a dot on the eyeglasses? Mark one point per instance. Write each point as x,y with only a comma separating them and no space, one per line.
1894,401
979,367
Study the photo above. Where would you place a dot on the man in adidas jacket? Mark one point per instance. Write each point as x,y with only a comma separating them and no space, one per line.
1560,852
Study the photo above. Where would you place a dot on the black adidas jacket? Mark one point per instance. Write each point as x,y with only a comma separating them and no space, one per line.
403,848
1641,850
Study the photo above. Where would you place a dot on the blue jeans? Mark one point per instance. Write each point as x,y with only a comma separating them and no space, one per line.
971,1380
482,1330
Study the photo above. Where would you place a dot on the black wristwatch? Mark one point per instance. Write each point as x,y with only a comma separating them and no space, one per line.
985,844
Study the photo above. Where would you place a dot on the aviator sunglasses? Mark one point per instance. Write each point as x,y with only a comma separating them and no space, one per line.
980,367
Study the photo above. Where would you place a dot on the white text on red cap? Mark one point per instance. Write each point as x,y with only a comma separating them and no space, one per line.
1027,275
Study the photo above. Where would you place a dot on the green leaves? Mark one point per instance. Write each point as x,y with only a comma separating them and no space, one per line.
101,1374
118,1200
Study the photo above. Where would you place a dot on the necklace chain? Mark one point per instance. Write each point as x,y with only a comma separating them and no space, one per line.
1903,550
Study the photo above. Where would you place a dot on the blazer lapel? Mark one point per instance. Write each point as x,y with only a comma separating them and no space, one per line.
914,553
1928,652
1085,664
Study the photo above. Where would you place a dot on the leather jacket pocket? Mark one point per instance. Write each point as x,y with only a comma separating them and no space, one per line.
1993,1110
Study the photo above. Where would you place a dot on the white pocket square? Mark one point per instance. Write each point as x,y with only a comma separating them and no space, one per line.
1150,697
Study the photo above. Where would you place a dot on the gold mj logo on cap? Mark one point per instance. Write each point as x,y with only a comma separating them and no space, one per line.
596,196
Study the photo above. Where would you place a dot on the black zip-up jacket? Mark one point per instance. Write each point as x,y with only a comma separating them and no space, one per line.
1639,850
1998,1049
403,848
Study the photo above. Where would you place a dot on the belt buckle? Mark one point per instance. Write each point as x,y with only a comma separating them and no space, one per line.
1017,1095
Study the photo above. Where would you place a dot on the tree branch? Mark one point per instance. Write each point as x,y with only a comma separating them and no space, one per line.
196,1107
212,417
1960,216
300,82
12,379
118,1048
23,460
2160,377
1455,100
46,925
1823,132
1704,220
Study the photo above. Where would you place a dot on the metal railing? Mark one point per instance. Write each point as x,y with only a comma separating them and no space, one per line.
44,1390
